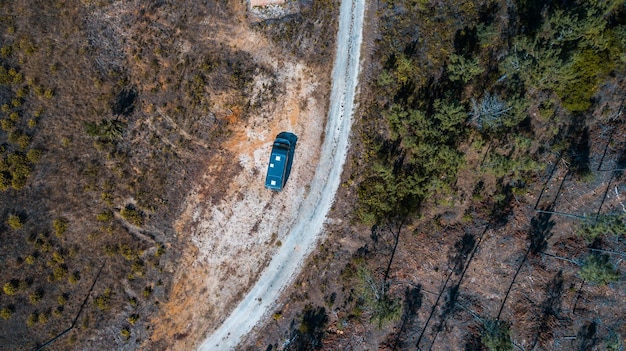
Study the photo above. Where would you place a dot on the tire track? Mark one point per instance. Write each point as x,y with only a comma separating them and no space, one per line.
307,229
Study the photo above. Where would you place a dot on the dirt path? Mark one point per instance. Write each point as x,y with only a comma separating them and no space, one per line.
307,229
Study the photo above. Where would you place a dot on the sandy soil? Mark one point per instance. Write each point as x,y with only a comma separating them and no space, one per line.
231,223
278,214
254,3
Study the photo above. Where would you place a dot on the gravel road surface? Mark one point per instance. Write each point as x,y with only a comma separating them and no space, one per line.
307,231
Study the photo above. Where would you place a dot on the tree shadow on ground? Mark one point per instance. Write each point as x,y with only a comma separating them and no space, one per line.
412,303
550,310
540,231
311,330
462,249
587,337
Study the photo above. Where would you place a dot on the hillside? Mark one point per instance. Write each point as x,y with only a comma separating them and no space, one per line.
113,115
483,205
483,208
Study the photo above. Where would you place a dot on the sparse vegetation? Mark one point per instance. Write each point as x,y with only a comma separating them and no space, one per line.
6,313
133,215
496,336
14,222
125,333
473,116
60,226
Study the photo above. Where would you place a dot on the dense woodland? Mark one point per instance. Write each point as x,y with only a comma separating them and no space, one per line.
486,182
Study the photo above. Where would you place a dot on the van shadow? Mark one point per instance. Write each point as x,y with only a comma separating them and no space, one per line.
293,139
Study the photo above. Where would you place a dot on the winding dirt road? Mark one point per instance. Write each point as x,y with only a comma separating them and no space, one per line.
308,228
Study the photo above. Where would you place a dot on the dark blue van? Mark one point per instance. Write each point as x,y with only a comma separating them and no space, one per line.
280,161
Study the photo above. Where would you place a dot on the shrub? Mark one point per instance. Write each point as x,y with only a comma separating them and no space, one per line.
33,155
612,342
160,250
133,318
43,318
14,222
29,260
463,69
48,94
58,258
59,272
609,224
126,251
6,313
147,291
35,296
386,309
138,268
7,125
125,332
580,79
496,336
62,299
32,319
58,312
106,130
105,216
598,270
102,301
60,226
107,198
11,287
74,277
132,214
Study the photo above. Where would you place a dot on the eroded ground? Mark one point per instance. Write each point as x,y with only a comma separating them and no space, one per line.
231,234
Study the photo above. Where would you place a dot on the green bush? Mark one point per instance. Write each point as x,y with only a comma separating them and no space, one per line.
160,250
496,335
138,268
133,318
106,130
580,79
58,258
14,222
11,287
147,291
6,313
60,226
612,342
608,224
133,215
32,319
386,310
125,332
102,301
29,260
463,69
33,155
7,124
105,216
43,318
35,296
74,277
59,272
597,269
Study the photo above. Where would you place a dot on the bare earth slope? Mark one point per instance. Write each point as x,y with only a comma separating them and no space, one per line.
307,229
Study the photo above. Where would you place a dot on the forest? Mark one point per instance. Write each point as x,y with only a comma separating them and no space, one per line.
485,187
483,203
